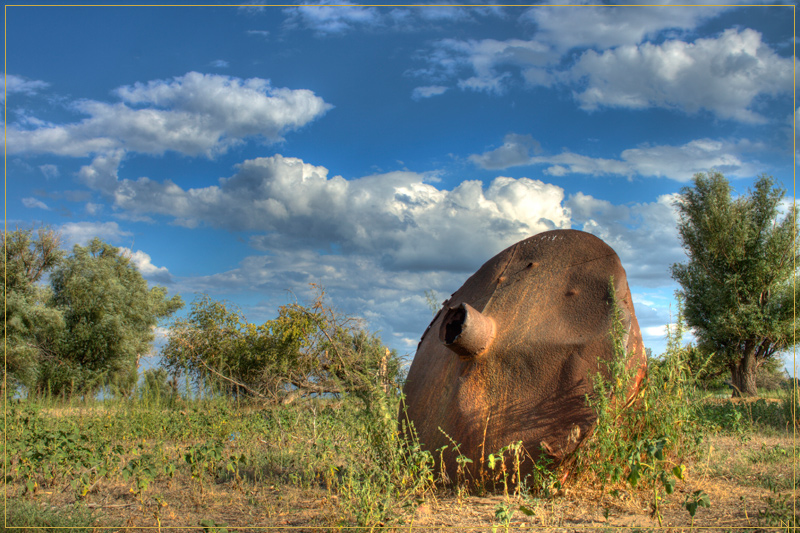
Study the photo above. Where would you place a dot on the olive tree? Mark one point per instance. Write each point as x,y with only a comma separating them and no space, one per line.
109,318
737,283
306,349
31,324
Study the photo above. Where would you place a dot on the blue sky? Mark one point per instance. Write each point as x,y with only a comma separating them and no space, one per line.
382,152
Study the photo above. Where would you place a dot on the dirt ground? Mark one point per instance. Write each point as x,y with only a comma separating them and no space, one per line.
726,472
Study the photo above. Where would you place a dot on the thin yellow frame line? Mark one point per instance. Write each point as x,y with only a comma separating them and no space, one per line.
5,267
794,257
5,158
400,5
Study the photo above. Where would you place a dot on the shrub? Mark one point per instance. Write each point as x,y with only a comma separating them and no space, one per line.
156,387
647,443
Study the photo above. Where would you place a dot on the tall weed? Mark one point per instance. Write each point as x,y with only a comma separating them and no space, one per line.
647,443
394,472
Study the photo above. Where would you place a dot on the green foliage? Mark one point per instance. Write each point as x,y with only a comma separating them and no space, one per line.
709,369
204,458
780,511
156,387
213,342
210,526
29,257
44,453
24,516
771,375
503,513
109,316
85,331
737,284
307,349
31,324
141,470
647,443
741,418
697,499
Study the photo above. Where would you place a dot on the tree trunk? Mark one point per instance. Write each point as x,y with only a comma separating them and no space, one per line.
743,375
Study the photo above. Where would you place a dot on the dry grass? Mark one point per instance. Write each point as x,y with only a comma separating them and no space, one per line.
739,472
726,472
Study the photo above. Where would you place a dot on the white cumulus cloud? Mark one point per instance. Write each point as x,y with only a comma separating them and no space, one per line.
398,216
82,232
20,85
33,203
727,75
602,27
194,114
334,18
644,235
679,163
144,264
49,171
516,150
723,75
485,62
331,19
427,92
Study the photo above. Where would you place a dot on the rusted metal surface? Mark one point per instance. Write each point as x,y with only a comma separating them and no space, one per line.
511,355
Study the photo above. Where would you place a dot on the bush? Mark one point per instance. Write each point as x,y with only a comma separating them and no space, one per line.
307,350
769,377
648,442
157,387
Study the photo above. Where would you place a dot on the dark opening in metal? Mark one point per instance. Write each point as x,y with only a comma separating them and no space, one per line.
465,331
454,322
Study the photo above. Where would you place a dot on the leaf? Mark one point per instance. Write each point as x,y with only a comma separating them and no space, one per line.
633,477
656,449
669,484
679,471
526,511
698,498
703,499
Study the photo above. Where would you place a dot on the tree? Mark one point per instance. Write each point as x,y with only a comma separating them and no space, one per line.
31,324
307,349
214,346
109,318
158,388
737,285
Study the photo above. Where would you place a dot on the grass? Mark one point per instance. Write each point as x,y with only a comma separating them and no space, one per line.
26,514
317,463
159,466
680,458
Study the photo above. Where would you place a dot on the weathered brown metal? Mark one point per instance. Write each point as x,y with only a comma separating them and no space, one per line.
511,355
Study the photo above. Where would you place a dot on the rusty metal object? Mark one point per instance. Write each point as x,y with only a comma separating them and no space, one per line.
512,354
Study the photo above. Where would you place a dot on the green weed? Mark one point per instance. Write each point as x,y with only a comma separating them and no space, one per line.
780,510
648,443
23,516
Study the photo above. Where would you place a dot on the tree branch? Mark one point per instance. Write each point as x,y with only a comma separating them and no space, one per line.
226,378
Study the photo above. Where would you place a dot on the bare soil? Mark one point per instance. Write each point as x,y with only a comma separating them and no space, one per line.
732,471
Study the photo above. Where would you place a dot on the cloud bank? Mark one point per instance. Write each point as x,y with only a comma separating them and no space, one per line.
727,75
679,163
398,216
20,85
195,114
